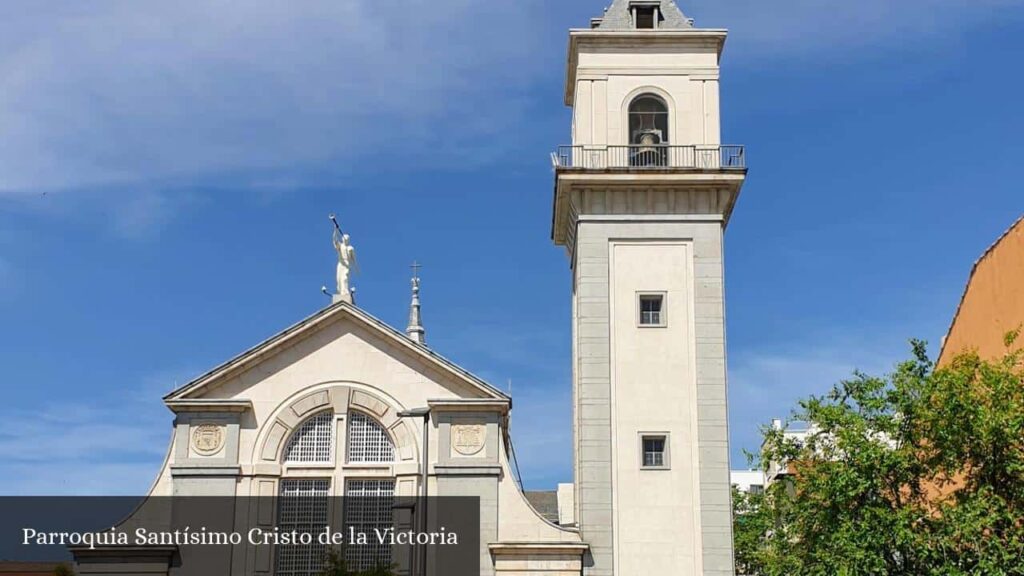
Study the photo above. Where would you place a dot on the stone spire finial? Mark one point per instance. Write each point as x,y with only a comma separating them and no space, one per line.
415,330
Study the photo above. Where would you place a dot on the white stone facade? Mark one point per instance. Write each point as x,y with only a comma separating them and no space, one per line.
334,376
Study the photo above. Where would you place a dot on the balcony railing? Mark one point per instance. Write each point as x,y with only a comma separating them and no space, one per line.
651,157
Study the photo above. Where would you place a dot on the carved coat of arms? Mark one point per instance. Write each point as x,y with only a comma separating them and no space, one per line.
207,439
468,439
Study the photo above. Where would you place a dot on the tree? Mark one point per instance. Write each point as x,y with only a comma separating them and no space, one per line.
917,473
751,526
336,565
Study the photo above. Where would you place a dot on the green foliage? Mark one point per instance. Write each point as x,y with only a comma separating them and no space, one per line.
335,563
751,525
337,566
63,570
918,473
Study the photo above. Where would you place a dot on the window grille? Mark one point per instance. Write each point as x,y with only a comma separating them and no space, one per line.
369,506
654,451
651,310
367,440
302,506
312,441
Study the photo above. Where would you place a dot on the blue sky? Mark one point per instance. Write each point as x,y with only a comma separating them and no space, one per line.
166,172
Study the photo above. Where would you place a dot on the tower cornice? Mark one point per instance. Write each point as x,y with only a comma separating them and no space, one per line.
696,195
708,38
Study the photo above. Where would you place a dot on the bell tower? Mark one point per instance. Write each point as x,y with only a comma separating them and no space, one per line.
642,198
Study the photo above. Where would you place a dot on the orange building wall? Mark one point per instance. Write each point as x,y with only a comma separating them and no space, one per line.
993,303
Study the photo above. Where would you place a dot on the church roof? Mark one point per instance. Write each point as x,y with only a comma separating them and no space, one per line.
314,323
545,502
617,16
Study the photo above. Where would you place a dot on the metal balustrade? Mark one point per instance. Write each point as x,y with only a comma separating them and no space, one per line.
650,157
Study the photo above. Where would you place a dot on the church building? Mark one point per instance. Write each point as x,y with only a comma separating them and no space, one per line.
341,404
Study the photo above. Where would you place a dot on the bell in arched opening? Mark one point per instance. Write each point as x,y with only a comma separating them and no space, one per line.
648,131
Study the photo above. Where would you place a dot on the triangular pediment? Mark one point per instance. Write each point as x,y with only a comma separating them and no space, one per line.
336,321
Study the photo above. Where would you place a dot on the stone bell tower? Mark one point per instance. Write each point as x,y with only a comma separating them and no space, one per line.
642,198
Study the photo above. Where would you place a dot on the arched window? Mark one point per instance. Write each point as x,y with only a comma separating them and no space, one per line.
648,131
311,442
367,440
304,501
648,120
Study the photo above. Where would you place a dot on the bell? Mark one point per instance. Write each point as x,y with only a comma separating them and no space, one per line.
646,151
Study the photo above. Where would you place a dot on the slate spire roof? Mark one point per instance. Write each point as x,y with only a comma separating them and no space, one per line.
618,15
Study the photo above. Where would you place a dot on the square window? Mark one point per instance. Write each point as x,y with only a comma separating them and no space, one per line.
654,451
652,309
645,17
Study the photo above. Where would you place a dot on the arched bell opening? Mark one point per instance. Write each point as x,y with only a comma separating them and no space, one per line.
648,131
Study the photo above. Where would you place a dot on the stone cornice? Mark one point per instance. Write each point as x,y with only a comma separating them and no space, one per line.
532,548
467,470
208,405
711,38
469,405
194,470
603,72
624,195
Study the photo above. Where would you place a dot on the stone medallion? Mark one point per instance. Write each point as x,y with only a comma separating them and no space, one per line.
207,439
468,439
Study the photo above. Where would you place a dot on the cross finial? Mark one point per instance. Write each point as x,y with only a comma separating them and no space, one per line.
415,330
416,276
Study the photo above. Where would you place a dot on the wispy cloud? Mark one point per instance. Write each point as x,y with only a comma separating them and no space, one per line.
107,446
822,29
141,214
766,383
80,449
70,478
116,92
